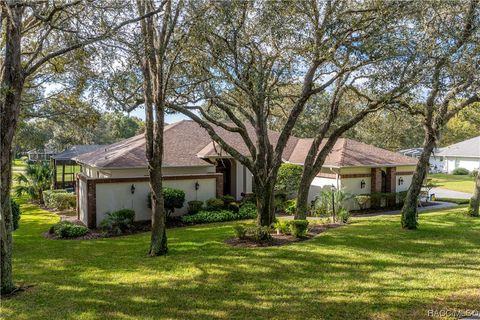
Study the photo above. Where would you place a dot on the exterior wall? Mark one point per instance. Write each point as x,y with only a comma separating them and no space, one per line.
82,203
451,163
318,184
243,180
143,172
98,196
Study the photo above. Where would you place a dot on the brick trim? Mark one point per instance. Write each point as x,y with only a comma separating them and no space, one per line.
165,178
92,189
91,203
355,175
404,173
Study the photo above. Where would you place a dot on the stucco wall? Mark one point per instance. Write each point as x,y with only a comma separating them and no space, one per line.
470,164
143,172
243,180
114,196
82,201
317,185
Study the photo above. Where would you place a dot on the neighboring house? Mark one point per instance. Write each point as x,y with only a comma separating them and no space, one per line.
436,162
116,176
65,168
41,155
465,154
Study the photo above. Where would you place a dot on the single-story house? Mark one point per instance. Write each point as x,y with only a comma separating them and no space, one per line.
65,168
465,154
41,155
116,176
436,162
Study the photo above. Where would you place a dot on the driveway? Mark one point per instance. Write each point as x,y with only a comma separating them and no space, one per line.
445,193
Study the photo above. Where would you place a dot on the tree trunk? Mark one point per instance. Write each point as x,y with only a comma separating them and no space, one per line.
158,241
302,199
264,194
473,209
409,210
11,85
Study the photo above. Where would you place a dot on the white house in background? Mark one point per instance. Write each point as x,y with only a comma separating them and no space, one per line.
116,176
436,162
465,154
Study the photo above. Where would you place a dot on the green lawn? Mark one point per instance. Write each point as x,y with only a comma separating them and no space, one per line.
370,269
453,182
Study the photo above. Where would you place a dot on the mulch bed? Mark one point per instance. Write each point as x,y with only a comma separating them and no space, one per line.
282,239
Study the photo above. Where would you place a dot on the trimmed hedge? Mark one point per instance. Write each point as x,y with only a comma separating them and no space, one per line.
213,204
194,206
46,194
62,200
247,211
460,172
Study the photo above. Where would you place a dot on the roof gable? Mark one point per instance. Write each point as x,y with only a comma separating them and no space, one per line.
467,148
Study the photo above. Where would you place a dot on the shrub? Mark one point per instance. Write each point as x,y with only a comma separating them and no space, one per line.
279,202
214,204
259,233
233,206
15,213
282,227
460,172
46,196
288,179
118,222
362,200
227,199
240,231
247,211
66,229
474,173
401,196
250,197
290,206
62,200
210,216
172,199
343,215
194,206
298,228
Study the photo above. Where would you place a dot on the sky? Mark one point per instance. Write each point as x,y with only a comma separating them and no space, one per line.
169,118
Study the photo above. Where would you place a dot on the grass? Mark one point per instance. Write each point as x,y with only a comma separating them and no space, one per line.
370,269
463,183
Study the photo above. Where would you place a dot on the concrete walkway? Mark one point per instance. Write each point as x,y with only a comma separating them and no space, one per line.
439,205
445,193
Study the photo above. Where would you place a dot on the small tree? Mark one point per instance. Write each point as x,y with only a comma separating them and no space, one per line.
288,179
172,199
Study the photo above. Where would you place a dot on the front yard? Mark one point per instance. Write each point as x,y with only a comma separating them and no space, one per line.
453,182
370,269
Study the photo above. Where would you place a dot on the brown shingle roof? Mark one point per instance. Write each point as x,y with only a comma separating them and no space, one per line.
351,153
185,143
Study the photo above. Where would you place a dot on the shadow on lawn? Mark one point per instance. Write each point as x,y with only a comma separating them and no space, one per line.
350,273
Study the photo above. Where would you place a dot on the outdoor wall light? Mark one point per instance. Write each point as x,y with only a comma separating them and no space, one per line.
132,189
400,181
197,185
362,184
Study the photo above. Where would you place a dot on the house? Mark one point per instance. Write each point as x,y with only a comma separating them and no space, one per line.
41,155
116,176
436,164
65,168
465,154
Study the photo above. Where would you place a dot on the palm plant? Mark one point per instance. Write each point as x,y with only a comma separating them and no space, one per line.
34,181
